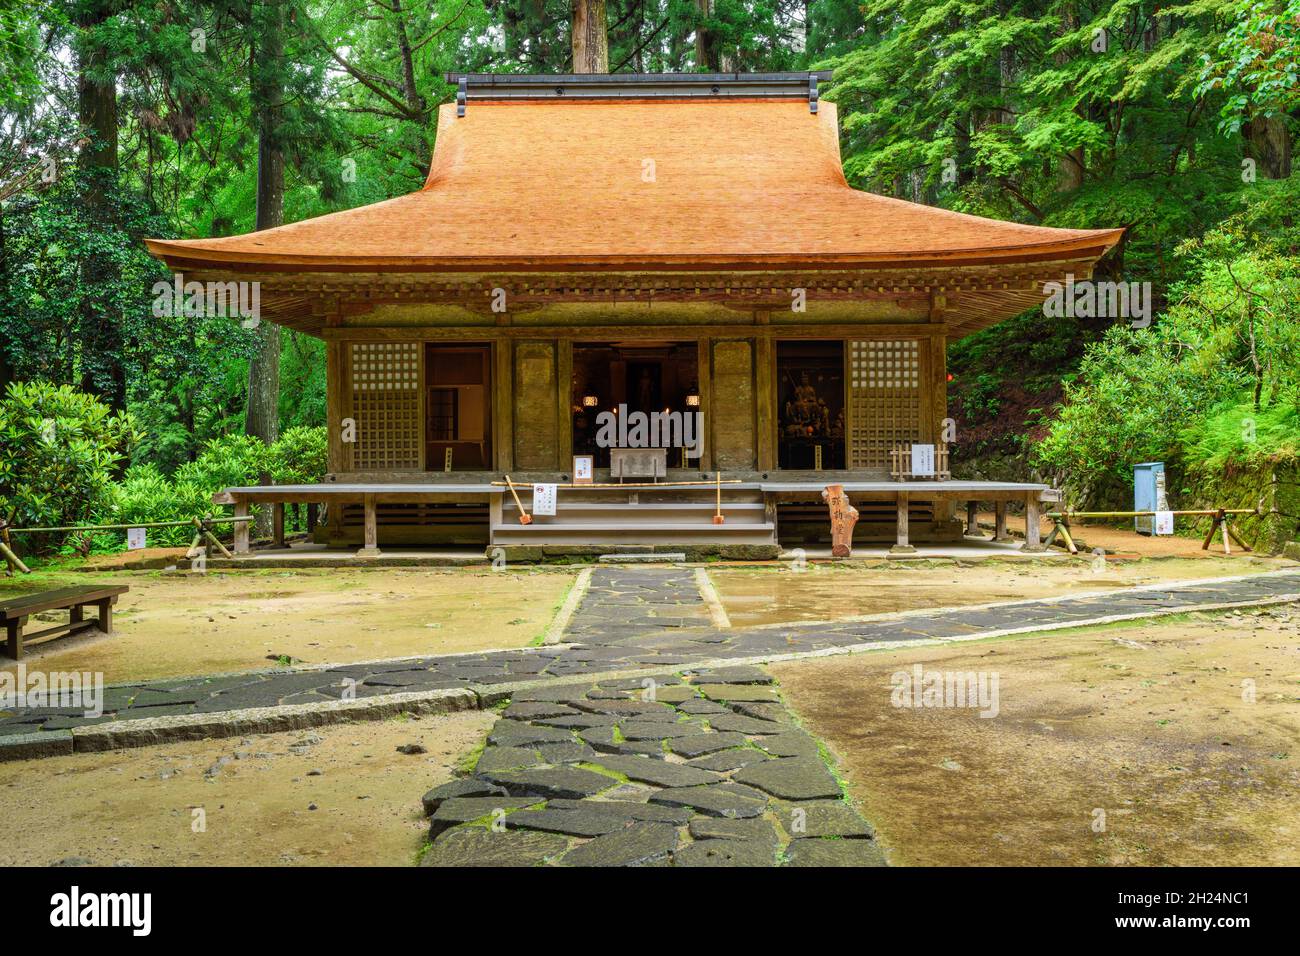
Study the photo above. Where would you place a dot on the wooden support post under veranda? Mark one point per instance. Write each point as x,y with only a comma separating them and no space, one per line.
370,547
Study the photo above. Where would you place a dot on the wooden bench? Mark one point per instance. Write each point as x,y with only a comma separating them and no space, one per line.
74,600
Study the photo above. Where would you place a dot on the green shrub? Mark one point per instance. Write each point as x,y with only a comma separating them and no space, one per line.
301,456
1241,438
59,449
146,495
225,462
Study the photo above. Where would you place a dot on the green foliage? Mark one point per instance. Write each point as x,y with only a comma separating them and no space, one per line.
58,452
1257,62
146,495
979,397
1240,437
1214,383
299,457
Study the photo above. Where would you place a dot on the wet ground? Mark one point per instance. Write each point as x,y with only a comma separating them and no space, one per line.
1171,743
179,624
777,594
337,795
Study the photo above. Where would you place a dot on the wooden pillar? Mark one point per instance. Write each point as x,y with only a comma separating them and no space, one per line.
935,399
902,545
765,401
503,405
277,524
564,404
1000,521
242,527
973,519
335,405
704,379
1033,533
370,547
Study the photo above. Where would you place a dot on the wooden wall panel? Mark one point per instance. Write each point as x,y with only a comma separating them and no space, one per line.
732,396
536,429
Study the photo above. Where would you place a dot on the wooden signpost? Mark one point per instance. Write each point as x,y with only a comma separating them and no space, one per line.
843,518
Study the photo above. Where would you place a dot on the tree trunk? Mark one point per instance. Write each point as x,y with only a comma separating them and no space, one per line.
102,371
6,369
1069,171
707,46
410,92
1069,167
590,37
1006,84
266,66
1269,145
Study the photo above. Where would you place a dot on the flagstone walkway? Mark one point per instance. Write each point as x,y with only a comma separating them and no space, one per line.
636,619
710,770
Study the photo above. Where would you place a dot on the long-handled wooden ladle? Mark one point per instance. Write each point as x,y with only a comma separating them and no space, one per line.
524,516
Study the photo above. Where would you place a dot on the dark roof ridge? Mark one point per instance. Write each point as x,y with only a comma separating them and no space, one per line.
615,86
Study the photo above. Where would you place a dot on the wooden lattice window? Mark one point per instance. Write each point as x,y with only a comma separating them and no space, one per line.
385,378
884,398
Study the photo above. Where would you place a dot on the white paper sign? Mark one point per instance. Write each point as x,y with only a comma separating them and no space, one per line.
1164,523
135,538
543,499
582,468
923,460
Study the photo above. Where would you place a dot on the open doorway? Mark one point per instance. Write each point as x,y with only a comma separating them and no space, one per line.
638,376
810,405
457,410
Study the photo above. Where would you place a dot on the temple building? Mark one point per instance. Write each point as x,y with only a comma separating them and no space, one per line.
655,247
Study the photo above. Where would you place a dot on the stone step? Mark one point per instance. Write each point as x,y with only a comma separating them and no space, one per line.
639,558
623,538
656,506
560,526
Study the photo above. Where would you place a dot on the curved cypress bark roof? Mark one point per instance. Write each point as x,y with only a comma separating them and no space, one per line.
637,184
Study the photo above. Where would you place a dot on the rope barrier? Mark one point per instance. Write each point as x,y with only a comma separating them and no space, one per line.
1222,522
203,529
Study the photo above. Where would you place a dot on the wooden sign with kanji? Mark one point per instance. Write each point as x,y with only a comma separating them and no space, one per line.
843,517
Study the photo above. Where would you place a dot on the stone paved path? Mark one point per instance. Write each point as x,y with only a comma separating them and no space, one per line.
630,619
709,770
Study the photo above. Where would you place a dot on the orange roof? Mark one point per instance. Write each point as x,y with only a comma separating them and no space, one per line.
637,183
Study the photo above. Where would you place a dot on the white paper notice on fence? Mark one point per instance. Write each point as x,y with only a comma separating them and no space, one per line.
135,538
543,499
923,460
1164,523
